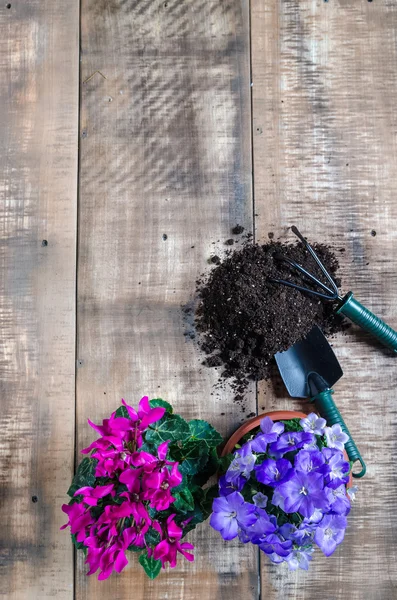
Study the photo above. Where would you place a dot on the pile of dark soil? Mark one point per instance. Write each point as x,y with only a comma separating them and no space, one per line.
244,319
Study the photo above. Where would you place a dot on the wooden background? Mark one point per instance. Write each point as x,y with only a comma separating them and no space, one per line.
190,116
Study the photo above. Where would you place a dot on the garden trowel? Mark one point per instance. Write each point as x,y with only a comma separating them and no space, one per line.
309,369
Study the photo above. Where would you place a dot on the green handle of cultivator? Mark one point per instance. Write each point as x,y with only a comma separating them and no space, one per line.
327,408
364,318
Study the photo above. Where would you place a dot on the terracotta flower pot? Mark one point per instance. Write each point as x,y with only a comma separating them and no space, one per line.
275,415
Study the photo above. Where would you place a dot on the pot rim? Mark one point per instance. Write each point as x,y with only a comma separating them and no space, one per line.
275,415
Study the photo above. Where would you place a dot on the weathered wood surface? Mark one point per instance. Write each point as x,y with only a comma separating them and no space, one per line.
165,171
38,199
165,136
325,139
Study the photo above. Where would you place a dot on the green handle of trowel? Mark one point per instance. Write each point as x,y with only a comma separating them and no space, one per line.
327,408
356,312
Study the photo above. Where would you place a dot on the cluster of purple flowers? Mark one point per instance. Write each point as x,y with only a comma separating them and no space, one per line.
285,490
122,519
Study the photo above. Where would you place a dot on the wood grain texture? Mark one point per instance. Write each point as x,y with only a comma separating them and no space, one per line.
165,171
325,150
38,201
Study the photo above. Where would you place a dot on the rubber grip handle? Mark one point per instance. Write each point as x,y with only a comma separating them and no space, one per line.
327,408
364,318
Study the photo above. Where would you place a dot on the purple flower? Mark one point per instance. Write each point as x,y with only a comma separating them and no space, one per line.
299,558
274,544
339,502
275,558
278,499
336,438
330,532
292,440
288,531
304,493
305,533
260,500
231,512
274,472
263,526
301,535
227,487
351,492
309,460
311,446
315,517
313,424
240,468
336,468
270,433
243,536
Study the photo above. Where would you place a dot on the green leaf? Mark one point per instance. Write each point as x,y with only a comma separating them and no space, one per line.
184,501
151,566
152,537
292,425
153,512
225,462
133,548
85,475
147,447
196,516
169,427
192,456
79,545
209,469
159,402
122,412
321,441
206,504
201,430
192,465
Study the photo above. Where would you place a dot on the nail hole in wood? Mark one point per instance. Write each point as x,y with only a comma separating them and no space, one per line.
373,233
8,6
35,499
44,243
165,236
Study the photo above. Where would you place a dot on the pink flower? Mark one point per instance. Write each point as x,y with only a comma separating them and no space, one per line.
120,437
107,546
79,519
91,495
107,556
146,415
142,524
170,545
131,478
149,462
157,487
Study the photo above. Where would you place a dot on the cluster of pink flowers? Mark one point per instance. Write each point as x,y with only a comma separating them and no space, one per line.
123,518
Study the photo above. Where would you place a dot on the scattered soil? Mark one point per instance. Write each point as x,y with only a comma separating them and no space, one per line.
215,260
244,319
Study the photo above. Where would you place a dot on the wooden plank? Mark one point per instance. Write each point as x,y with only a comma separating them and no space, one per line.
325,83
165,171
38,194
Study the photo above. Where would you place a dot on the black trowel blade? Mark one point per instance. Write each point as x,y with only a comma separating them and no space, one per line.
312,356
